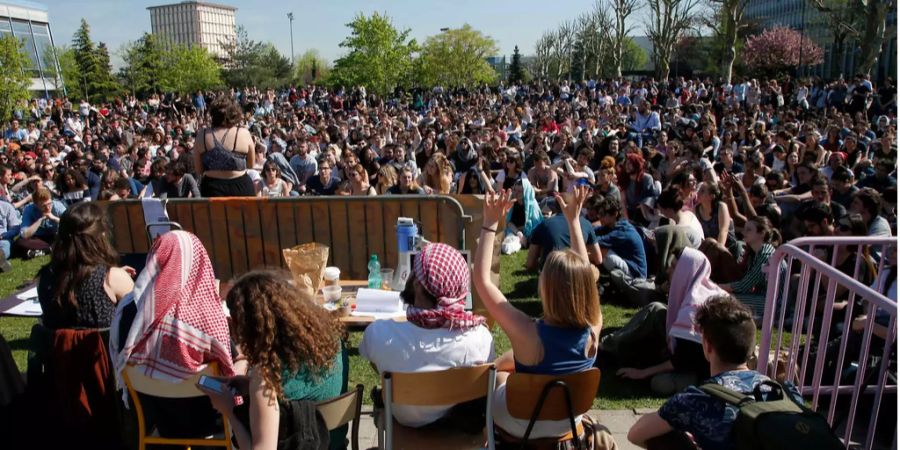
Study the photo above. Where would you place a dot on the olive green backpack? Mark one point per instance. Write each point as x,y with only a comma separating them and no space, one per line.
775,424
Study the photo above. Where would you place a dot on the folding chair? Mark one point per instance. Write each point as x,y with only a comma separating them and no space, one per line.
443,387
135,381
551,397
341,410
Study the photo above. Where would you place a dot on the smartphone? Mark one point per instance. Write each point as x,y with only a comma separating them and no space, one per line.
213,384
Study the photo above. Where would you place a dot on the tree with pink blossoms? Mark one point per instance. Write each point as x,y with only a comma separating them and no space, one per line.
778,50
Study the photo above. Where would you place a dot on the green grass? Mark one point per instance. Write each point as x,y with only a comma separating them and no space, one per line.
17,329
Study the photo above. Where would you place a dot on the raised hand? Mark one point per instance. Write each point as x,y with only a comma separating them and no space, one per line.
572,209
496,204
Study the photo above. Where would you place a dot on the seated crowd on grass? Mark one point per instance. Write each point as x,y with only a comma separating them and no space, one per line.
670,196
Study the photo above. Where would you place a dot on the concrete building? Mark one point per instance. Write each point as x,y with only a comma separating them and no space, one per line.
30,23
801,16
208,25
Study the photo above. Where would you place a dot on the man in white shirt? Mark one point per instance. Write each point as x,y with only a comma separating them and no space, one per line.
438,333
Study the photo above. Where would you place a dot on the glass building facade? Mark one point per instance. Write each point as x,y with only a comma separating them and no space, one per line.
30,23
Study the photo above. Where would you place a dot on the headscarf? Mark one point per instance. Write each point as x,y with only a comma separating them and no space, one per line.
179,327
533,214
690,287
444,273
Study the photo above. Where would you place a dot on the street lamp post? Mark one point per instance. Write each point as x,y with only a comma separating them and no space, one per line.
290,16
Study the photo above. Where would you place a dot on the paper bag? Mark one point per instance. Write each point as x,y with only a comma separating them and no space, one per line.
307,264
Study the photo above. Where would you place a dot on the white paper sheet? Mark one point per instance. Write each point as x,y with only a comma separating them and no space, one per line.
379,315
28,308
28,295
369,301
155,212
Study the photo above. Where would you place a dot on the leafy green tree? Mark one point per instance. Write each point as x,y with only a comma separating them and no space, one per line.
106,85
244,66
516,71
144,64
190,69
275,68
379,56
94,66
455,58
13,78
633,56
311,68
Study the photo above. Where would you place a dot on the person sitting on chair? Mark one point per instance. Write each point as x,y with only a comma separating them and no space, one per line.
171,328
563,342
438,333
285,337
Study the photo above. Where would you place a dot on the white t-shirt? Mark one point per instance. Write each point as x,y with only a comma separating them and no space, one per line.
404,347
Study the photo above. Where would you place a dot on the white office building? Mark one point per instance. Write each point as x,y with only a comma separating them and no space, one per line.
209,25
30,23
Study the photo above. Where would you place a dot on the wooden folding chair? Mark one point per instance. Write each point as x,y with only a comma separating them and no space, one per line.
551,397
443,387
340,410
135,382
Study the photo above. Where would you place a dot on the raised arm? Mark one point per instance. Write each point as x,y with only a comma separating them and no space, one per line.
517,325
572,211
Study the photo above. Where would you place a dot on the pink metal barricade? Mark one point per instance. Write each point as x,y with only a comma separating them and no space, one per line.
793,306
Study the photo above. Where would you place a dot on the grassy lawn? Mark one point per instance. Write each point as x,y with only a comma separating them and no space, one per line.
518,285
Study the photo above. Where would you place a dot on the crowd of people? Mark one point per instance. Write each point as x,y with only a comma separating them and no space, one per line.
670,196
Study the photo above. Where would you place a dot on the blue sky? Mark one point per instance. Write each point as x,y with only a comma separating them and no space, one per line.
321,25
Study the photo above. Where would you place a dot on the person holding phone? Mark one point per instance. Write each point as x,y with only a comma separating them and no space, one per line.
293,347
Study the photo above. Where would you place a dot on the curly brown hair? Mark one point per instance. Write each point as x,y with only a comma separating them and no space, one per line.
279,329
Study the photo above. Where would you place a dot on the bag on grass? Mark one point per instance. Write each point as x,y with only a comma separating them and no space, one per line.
775,424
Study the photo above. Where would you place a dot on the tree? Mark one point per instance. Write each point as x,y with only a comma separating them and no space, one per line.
13,79
274,68
779,49
633,56
456,58
243,60
726,23
542,55
666,24
144,65
516,71
311,68
622,9
94,68
190,69
379,56
873,34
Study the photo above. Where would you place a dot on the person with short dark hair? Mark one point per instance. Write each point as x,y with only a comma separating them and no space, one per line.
728,339
670,205
620,244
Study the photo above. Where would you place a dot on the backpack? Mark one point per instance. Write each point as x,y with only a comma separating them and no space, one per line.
777,424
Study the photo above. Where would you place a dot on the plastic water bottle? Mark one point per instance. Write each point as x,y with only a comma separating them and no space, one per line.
374,273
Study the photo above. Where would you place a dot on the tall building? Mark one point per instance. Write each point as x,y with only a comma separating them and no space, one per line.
802,16
208,25
30,23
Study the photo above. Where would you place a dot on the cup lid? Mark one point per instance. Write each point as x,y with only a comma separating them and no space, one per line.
332,272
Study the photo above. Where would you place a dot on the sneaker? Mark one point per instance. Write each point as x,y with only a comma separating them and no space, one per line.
35,253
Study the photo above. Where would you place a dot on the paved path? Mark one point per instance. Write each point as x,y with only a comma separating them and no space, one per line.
618,422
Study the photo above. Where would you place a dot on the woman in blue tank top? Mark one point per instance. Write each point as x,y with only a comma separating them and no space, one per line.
565,340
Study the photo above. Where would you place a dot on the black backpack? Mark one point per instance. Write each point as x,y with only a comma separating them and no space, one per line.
774,424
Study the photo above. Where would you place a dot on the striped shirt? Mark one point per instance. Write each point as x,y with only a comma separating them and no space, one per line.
754,280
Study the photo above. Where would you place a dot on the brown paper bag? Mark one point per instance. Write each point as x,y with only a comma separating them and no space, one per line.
307,264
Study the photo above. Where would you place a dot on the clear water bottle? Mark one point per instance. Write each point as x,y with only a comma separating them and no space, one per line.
374,273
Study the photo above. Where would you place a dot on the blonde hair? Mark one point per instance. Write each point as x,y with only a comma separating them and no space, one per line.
439,182
568,291
390,175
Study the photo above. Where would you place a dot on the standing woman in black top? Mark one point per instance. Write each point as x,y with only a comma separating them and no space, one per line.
81,285
223,153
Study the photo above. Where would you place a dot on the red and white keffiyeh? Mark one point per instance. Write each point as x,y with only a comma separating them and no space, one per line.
443,272
180,326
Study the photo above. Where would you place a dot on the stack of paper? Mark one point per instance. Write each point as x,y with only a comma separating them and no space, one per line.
378,303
